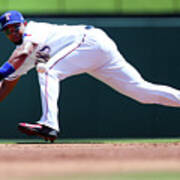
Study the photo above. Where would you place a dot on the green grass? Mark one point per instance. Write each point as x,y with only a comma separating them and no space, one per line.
32,6
153,6
92,6
91,141
104,141
112,176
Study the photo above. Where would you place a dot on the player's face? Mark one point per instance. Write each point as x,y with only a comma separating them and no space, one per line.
14,32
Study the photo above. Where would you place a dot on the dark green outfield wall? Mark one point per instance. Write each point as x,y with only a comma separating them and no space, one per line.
89,108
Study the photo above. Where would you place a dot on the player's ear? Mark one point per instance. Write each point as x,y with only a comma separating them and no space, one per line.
25,23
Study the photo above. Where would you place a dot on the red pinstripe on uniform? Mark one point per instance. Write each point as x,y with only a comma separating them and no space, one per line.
46,74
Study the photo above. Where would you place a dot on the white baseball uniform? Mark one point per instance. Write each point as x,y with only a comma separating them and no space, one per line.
84,49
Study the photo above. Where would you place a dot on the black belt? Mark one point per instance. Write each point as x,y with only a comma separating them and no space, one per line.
89,27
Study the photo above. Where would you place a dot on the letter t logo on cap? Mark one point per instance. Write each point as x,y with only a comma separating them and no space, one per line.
7,15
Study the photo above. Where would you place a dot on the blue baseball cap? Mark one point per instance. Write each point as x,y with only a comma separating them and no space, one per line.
11,17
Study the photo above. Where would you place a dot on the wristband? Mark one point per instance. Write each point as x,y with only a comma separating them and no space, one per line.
5,70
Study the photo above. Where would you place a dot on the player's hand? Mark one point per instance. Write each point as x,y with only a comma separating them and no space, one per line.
1,82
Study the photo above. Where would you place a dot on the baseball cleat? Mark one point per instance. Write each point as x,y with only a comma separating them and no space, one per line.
39,130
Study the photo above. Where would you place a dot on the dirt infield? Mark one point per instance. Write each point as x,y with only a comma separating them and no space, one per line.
50,159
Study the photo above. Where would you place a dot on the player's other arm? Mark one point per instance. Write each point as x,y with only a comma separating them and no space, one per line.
6,87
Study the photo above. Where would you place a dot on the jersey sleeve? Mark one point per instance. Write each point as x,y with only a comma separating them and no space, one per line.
27,65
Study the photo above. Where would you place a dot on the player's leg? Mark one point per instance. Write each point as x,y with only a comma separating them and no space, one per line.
47,127
124,78
49,88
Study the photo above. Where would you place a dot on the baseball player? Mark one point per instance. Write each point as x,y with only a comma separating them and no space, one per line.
60,51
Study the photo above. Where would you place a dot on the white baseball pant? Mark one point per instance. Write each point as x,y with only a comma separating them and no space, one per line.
98,56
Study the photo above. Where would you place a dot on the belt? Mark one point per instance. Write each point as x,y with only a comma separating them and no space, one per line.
88,27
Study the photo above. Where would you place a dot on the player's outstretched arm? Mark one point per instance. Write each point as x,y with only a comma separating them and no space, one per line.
17,59
6,87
